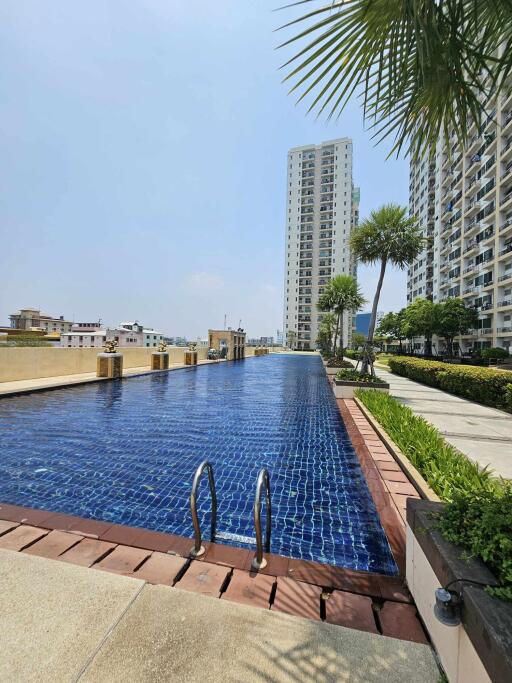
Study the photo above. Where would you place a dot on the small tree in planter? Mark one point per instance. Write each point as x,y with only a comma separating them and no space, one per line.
341,295
326,333
388,236
422,320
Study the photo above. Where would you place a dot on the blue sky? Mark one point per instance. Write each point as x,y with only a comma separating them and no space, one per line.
143,149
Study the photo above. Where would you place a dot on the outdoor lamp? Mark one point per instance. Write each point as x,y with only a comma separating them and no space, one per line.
447,607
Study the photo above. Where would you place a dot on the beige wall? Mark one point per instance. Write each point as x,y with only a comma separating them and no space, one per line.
34,362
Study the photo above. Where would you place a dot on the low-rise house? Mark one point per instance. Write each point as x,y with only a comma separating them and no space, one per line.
32,318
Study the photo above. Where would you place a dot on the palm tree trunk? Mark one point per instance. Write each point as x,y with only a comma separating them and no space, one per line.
335,337
373,318
340,318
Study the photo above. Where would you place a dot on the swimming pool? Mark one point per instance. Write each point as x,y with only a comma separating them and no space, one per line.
126,451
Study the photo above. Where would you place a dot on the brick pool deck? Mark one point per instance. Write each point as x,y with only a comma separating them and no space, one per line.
369,602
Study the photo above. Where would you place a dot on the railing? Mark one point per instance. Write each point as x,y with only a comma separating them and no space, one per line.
259,562
198,548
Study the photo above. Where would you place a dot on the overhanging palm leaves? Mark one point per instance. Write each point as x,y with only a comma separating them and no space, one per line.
423,68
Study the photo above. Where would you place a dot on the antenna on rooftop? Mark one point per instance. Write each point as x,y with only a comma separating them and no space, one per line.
225,319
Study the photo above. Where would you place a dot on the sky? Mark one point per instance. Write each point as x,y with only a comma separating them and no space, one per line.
143,163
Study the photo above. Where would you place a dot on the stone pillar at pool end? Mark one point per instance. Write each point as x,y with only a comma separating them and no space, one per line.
110,363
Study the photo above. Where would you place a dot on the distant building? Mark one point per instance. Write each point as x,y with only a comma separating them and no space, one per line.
363,322
322,208
229,343
32,318
127,335
149,337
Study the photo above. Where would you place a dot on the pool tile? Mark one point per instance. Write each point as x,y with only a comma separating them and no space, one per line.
123,560
160,568
250,588
53,545
21,537
87,552
350,610
120,466
204,578
299,599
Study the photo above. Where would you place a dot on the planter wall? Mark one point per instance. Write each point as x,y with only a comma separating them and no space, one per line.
480,649
344,389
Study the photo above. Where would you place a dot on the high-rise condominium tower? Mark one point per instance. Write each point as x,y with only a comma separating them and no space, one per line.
322,206
468,193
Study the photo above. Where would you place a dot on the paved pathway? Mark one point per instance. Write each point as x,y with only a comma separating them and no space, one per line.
60,622
483,434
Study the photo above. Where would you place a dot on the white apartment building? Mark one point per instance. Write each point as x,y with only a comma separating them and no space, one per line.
127,335
322,206
471,251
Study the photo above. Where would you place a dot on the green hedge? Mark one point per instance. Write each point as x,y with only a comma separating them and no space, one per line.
354,355
478,514
483,385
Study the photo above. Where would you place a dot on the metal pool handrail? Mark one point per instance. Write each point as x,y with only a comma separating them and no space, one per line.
198,548
259,562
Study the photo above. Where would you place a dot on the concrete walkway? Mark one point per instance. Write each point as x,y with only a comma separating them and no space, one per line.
39,383
60,622
483,434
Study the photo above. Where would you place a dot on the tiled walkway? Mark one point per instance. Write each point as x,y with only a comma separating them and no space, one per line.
483,434
61,622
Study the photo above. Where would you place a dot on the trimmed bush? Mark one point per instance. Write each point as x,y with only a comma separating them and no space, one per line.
481,522
494,353
483,385
356,376
354,355
338,363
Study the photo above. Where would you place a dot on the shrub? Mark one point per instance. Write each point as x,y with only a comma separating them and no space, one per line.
484,385
508,397
355,376
338,362
478,514
354,355
494,353
481,522
446,470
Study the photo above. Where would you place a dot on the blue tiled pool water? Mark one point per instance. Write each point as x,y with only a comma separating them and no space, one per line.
126,452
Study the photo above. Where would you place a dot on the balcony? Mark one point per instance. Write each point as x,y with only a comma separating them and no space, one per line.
504,330
506,250
505,277
504,303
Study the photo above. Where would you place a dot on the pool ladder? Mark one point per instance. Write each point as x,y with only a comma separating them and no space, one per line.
263,481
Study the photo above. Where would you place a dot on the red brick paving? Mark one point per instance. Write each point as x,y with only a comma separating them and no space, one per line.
400,621
204,578
123,559
250,588
87,552
53,545
161,568
6,526
299,599
352,611
21,537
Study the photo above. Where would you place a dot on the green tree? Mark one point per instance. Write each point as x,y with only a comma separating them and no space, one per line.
455,318
424,68
388,236
340,295
358,339
422,318
291,338
392,326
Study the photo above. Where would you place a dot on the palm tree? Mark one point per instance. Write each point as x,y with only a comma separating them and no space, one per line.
423,67
327,328
340,295
291,338
388,236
